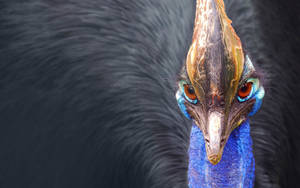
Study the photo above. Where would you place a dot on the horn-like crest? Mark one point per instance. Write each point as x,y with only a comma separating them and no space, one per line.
212,25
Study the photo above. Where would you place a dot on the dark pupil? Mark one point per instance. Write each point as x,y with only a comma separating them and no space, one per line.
191,90
244,88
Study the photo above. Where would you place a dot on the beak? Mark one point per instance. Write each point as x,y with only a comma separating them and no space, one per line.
214,143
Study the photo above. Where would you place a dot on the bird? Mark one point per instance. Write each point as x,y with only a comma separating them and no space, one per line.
88,94
219,88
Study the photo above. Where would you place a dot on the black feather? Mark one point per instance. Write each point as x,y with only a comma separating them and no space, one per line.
87,91
269,31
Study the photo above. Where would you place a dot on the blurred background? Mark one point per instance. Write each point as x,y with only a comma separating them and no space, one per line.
87,91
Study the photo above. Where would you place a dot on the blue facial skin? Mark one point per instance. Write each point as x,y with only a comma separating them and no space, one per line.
180,101
259,95
237,166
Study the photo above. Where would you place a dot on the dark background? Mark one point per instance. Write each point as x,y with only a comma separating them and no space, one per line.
87,91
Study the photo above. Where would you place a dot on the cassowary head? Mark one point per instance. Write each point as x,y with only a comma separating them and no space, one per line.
219,87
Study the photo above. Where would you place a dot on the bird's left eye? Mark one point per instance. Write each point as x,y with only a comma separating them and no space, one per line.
245,91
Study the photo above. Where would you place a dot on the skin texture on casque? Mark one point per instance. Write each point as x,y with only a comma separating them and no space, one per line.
236,169
87,91
268,31
216,70
192,111
224,89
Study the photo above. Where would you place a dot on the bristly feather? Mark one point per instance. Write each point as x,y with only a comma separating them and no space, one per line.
269,30
87,94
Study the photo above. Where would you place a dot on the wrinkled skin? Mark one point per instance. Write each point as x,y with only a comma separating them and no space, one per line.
216,69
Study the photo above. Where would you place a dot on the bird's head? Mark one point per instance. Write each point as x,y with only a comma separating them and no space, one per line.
219,86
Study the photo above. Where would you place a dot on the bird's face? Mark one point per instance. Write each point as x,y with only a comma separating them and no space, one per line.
219,87
217,109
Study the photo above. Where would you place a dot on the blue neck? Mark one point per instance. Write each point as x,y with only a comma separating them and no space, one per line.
236,168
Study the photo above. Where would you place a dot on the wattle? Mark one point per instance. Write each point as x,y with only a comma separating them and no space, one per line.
236,168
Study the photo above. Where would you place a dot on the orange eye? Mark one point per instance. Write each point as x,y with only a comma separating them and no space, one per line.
189,92
245,90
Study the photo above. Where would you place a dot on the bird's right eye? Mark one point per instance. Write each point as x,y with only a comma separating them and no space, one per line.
189,93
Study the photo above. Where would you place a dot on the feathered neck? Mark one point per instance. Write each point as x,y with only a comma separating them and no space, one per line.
236,168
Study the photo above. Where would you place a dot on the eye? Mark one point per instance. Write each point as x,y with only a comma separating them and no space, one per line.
189,93
245,92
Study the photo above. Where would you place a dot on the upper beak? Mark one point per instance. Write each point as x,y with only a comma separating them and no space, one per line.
214,142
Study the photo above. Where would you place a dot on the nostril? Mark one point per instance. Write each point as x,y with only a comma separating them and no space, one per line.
223,140
222,103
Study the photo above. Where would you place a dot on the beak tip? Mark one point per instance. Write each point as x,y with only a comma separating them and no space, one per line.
214,159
